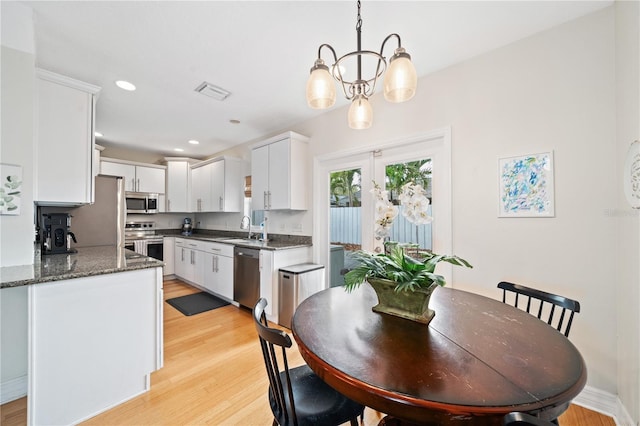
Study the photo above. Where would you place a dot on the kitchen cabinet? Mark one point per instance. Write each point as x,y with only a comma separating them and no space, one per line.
168,255
207,265
280,173
137,177
218,275
270,263
63,157
217,185
178,193
189,261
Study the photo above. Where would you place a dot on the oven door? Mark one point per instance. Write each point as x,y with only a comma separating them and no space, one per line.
155,249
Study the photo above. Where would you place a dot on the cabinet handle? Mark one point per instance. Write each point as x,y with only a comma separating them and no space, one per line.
269,198
168,205
133,184
182,255
213,264
138,188
265,201
192,260
217,263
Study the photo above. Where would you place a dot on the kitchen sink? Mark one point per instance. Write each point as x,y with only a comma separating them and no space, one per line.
245,241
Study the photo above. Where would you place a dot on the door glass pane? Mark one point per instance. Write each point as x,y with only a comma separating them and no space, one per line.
405,229
344,221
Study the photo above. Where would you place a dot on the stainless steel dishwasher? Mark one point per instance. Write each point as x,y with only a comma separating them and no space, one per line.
246,276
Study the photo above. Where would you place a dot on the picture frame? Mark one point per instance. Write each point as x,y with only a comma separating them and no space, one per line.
10,189
526,186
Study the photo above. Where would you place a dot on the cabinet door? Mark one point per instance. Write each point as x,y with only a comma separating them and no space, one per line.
259,178
168,249
197,262
150,179
216,180
201,189
127,171
64,151
210,271
181,261
279,175
178,186
224,284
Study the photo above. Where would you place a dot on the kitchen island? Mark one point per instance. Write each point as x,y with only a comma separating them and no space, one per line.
94,330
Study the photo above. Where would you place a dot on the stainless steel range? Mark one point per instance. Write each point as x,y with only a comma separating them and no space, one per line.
141,237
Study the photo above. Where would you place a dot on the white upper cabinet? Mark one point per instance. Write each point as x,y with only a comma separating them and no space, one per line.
178,195
65,142
280,173
137,177
217,185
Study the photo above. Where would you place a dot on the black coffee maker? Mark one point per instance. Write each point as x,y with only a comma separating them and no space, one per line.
56,235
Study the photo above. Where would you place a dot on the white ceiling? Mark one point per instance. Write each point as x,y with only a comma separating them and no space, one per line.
259,51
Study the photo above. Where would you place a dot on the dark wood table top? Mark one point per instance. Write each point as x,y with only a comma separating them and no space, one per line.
477,360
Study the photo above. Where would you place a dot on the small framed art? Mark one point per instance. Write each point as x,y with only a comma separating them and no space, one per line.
526,186
10,189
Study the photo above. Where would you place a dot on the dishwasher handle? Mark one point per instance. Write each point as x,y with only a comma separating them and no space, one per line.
244,252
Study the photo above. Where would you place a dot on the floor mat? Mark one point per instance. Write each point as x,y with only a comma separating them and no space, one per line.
196,303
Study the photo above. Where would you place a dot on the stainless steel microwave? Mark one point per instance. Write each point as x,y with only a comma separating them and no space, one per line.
142,202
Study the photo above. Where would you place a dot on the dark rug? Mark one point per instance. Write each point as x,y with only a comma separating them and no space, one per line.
196,303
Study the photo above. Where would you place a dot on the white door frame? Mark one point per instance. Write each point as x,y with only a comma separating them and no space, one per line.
437,145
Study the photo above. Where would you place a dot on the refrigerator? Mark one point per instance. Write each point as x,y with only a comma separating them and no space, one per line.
103,222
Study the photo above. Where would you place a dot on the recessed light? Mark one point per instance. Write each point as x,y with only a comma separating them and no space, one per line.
125,85
194,142
97,134
234,121
178,149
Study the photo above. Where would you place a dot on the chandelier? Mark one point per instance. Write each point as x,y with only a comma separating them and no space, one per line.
399,84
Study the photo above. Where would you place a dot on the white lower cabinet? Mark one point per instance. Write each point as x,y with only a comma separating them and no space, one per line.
218,275
189,262
205,264
168,255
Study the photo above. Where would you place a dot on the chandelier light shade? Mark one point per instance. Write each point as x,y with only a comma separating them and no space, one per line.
321,89
400,80
360,113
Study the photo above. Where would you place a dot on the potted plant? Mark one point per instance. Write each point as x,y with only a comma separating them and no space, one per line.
403,283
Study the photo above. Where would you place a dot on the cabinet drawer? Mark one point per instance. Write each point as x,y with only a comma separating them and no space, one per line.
219,249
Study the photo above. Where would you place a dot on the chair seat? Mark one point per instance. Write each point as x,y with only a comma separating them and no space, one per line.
316,402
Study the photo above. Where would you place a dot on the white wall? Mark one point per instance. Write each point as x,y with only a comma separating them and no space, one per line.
18,70
554,91
627,277
16,147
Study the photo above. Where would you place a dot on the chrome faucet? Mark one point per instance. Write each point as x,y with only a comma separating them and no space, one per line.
245,223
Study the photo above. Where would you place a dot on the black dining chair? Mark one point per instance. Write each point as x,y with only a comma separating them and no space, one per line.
524,419
539,298
298,396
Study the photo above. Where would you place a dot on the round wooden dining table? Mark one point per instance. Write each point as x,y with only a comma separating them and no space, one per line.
477,360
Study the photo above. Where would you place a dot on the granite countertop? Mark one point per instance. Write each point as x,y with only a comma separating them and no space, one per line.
278,243
88,261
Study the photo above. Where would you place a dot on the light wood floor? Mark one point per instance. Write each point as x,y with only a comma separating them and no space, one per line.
214,374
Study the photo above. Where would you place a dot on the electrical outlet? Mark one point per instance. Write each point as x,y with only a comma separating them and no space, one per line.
282,227
297,227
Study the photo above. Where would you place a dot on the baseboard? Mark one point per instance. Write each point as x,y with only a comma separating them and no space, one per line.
605,403
13,389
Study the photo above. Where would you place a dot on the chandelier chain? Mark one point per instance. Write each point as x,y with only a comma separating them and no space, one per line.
359,20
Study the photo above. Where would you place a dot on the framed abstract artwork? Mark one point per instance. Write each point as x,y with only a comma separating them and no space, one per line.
526,186
10,189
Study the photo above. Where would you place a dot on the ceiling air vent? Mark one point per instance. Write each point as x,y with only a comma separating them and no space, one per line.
212,91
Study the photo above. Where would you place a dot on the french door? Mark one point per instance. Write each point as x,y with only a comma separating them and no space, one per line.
338,215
